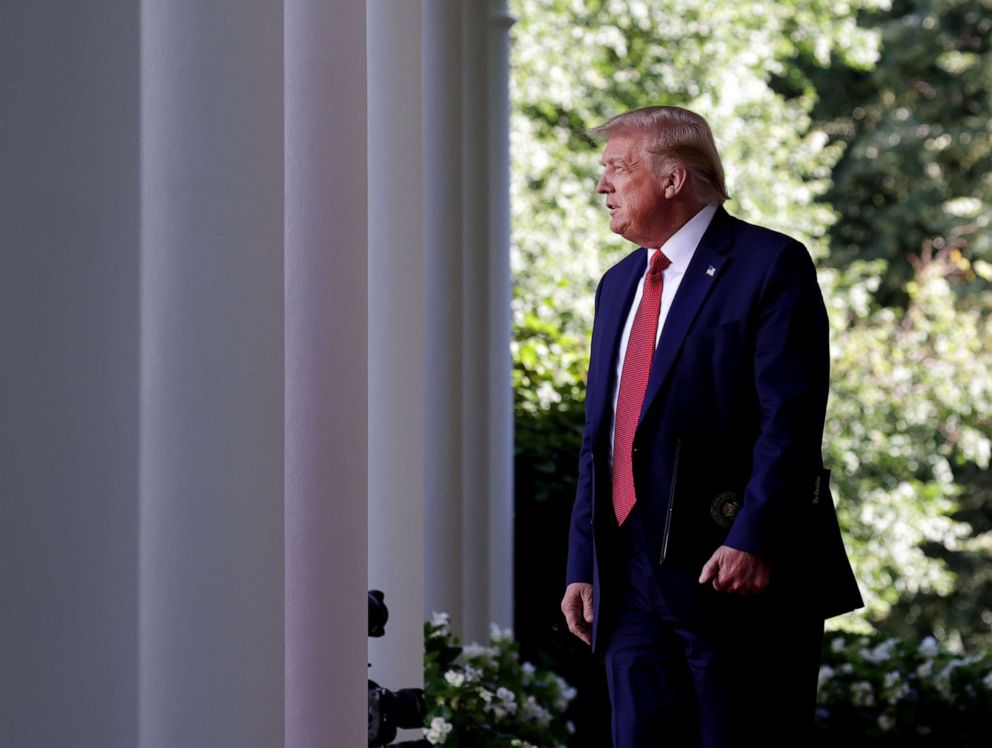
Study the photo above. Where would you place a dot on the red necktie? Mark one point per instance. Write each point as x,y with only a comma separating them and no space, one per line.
633,384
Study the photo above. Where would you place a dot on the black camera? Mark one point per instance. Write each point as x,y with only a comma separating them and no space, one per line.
391,710
378,613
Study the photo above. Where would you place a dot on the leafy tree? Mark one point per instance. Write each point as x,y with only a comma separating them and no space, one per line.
911,400
913,189
918,145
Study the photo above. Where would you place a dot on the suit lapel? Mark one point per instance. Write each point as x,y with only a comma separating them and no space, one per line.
616,305
700,277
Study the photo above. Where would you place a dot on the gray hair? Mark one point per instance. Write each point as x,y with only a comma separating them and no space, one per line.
675,136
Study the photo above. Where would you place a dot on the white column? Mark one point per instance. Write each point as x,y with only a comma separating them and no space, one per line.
477,433
69,263
326,374
397,338
211,524
499,379
469,397
442,190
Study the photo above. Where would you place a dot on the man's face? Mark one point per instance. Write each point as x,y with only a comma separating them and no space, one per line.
635,197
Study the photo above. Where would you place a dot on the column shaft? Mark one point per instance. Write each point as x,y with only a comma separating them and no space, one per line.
211,525
499,368
69,225
443,216
469,398
397,340
326,374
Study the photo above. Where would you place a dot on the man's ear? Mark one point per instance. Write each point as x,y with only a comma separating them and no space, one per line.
674,182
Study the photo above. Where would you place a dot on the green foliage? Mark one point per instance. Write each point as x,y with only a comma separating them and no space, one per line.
911,398
483,697
915,171
896,694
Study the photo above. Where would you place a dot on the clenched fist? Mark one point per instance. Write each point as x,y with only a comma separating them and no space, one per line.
735,571
577,607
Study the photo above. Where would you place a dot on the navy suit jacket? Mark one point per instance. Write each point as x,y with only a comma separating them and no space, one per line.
735,402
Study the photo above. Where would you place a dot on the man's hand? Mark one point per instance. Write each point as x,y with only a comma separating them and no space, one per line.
735,571
577,607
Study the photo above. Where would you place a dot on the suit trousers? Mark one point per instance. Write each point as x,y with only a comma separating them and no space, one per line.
689,666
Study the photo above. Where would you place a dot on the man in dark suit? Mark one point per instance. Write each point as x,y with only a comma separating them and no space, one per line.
704,552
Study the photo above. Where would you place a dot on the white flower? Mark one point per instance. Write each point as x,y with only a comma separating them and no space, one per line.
529,670
565,694
476,651
535,711
504,703
886,722
987,680
505,695
508,701
837,645
928,648
455,678
895,687
500,636
570,727
826,673
472,674
943,679
862,694
881,653
441,623
437,733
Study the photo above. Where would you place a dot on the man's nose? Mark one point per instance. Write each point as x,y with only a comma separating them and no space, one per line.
602,185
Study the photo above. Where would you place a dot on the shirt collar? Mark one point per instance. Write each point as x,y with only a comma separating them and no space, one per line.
682,244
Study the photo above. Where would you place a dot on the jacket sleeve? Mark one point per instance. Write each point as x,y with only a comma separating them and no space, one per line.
580,537
791,376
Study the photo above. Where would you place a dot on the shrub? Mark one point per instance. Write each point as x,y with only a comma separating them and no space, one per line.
484,697
892,691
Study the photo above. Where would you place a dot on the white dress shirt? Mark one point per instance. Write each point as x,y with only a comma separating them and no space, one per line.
679,248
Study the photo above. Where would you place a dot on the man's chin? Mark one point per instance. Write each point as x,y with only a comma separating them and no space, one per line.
622,229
